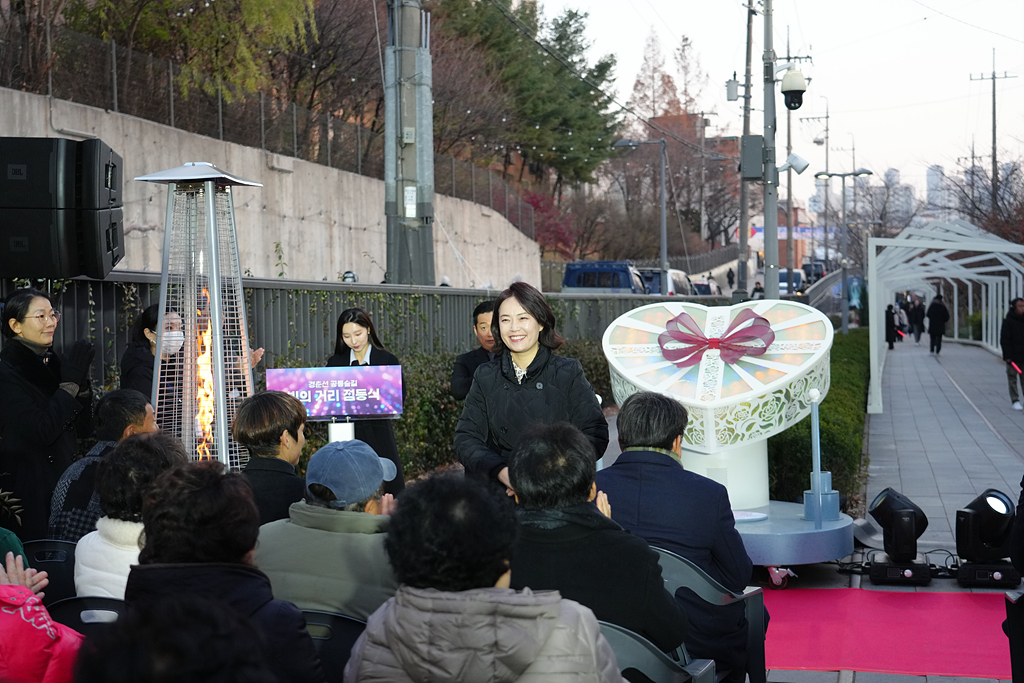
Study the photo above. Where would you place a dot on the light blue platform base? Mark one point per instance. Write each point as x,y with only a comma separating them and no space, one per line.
786,538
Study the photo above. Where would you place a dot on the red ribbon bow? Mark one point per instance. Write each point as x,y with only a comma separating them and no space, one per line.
684,331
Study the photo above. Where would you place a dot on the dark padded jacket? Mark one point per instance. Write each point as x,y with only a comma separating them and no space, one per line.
498,409
39,426
1011,338
938,316
246,590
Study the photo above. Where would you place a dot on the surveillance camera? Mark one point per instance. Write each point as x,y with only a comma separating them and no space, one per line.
793,87
795,162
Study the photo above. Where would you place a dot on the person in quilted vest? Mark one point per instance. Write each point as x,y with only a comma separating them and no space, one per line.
454,616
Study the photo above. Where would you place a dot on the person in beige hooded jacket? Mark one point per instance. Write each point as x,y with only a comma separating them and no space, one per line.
454,616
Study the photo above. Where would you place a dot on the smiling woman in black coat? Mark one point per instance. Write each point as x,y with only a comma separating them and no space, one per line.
357,344
45,404
525,384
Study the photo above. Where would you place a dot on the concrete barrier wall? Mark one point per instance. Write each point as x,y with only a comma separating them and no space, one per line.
326,221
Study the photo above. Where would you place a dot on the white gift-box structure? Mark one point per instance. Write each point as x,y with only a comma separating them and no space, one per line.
743,373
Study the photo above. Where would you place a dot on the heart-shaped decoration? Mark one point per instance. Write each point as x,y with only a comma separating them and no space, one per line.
743,371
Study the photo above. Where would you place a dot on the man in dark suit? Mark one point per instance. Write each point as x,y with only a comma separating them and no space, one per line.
569,544
652,496
467,363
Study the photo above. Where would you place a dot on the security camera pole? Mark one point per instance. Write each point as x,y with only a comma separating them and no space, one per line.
771,174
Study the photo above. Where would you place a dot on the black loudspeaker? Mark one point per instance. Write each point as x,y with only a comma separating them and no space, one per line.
37,243
60,243
60,214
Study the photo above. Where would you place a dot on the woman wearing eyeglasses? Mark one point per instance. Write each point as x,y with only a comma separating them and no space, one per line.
45,403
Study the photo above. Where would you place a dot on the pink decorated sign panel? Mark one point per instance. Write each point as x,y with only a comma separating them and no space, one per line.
357,391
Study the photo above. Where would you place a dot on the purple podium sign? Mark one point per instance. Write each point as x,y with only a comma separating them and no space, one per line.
354,391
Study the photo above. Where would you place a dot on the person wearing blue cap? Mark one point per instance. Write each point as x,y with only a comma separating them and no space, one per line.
328,555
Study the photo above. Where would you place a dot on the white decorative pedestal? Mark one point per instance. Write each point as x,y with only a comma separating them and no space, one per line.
734,406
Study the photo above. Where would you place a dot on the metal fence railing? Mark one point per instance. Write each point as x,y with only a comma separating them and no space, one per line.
295,321
697,263
86,70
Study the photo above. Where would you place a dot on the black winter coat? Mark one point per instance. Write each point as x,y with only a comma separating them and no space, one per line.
379,434
275,486
39,427
288,648
590,559
498,409
1011,338
938,316
137,369
890,326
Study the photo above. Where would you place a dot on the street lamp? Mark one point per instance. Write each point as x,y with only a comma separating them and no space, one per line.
664,223
844,304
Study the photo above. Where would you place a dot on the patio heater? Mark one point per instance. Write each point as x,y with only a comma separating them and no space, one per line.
197,389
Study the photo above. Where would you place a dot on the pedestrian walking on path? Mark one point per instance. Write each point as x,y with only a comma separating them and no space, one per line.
902,322
917,320
1011,338
938,316
731,277
890,325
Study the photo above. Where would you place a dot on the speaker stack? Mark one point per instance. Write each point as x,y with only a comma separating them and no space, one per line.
60,208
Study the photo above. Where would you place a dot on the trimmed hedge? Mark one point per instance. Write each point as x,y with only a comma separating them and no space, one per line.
842,415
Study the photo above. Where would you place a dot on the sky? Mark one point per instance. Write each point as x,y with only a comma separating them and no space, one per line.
896,74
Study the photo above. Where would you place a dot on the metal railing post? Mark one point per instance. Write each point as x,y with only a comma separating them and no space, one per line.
113,72
170,89
490,189
472,184
295,131
452,159
220,111
263,125
328,141
359,150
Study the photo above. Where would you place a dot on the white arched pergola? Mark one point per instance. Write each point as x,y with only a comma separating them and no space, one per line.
941,253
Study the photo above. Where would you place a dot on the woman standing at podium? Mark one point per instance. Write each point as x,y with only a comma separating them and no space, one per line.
357,344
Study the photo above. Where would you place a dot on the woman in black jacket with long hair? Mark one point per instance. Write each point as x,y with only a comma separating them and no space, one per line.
45,404
357,344
525,384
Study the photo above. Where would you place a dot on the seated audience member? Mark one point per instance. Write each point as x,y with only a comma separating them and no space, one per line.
467,363
329,554
568,545
10,543
104,557
200,529
272,427
75,506
454,618
652,496
179,640
33,648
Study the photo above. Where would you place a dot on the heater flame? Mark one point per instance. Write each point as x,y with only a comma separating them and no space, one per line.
204,391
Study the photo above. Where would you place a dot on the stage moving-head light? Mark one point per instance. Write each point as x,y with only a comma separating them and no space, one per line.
902,524
983,527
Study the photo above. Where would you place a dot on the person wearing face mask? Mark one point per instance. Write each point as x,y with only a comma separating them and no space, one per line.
137,361
45,405
357,343
525,384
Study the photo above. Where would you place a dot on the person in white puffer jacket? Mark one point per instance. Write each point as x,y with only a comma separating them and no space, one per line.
454,616
104,557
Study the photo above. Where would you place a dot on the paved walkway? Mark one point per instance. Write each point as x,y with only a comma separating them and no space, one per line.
947,433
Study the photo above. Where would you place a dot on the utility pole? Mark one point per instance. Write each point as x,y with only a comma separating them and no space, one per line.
408,146
771,173
828,181
995,162
744,231
703,123
790,217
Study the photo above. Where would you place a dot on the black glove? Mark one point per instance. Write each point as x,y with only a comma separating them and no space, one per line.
77,363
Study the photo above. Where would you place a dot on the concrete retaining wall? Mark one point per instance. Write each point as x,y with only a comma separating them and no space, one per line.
326,221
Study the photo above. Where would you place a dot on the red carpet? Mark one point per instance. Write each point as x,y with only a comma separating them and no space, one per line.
919,633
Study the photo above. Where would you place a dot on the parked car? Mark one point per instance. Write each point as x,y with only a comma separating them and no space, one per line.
678,282
813,271
706,287
798,281
602,277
